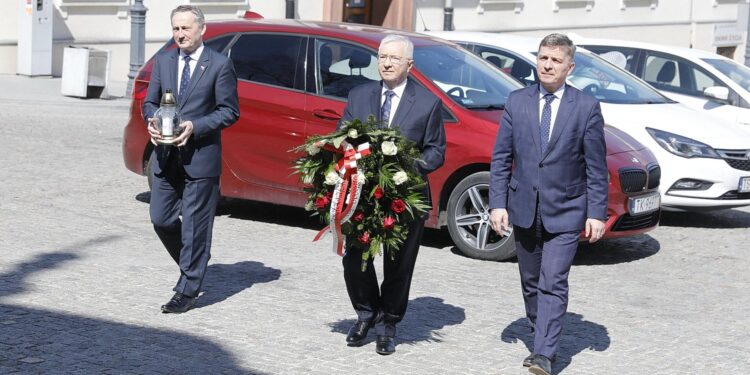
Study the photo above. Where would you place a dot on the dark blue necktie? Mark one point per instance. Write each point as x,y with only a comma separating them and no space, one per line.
185,80
546,122
385,110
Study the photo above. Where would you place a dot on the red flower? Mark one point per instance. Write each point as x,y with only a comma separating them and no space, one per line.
364,238
358,216
322,202
378,192
398,206
388,222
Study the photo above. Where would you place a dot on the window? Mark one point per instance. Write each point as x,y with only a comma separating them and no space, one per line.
677,75
267,58
622,57
511,64
218,44
341,66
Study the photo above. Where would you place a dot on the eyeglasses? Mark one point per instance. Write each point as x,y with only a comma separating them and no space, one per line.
395,60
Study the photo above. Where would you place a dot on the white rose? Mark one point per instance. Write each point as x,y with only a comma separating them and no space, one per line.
361,179
332,178
353,133
400,177
388,148
312,149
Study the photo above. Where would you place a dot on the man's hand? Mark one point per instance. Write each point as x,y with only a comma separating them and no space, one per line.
594,229
152,131
187,131
499,220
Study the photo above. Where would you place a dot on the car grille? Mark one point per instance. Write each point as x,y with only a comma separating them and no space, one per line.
737,159
632,180
629,222
733,194
654,176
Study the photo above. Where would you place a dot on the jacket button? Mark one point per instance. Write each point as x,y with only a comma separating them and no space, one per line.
534,188
541,165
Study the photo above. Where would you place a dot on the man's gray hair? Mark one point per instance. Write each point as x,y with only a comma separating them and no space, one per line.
393,38
559,40
197,12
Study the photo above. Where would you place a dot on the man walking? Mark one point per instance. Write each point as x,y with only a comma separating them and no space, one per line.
554,135
186,173
396,101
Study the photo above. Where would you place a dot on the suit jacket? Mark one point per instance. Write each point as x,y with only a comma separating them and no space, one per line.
418,116
569,180
210,103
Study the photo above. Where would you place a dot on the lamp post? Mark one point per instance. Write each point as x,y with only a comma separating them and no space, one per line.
137,40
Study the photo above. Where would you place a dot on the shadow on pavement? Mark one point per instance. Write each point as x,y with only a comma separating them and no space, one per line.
33,340
225,280
722,219
425,317
616,251
577,335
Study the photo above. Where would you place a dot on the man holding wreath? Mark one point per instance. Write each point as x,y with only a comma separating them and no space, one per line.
397,102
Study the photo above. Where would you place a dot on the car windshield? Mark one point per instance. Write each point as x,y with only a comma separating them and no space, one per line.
467,79
736,72
609,84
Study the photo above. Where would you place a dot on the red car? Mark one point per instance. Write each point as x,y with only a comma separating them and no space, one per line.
294,78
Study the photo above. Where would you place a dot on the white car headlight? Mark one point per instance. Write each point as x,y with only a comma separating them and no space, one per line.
683,146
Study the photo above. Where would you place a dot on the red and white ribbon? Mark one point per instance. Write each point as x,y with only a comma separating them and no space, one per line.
346,193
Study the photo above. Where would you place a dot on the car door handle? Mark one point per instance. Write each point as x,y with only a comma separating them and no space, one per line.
326,114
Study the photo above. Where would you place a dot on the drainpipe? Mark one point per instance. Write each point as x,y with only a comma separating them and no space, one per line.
448,16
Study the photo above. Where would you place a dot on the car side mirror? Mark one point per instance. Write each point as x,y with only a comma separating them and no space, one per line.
719,93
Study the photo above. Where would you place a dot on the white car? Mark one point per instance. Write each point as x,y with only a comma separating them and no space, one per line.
705,162
700,79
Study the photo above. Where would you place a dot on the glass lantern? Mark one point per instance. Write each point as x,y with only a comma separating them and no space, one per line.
167,119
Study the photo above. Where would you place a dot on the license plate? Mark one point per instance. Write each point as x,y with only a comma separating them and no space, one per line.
744,185
644,204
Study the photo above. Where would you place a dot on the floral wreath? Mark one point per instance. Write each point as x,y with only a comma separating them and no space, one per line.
363,183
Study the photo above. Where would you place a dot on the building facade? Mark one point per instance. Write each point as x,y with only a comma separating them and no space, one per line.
712,25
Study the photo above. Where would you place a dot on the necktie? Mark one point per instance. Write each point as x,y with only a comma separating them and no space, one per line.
385,110
184,80
546,120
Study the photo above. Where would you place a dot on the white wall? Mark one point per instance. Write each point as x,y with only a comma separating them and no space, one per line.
105,24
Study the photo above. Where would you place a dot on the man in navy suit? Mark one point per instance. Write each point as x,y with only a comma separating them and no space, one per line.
186,173
554,134
399,102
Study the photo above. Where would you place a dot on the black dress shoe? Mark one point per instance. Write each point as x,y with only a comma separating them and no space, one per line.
358,332
527,362
541,365
179,303
385,345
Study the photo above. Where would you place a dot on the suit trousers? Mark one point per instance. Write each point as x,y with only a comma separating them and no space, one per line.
544,261
188,241
393,295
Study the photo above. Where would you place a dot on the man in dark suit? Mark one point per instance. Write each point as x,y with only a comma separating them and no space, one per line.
399,102
186,173
555,136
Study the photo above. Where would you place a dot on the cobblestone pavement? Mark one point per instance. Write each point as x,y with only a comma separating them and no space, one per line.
82,277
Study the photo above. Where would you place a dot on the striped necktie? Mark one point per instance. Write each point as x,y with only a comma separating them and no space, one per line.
385,110
546,122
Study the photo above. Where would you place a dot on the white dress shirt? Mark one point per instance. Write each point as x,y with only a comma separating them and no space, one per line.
399,91
554,105
193,63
